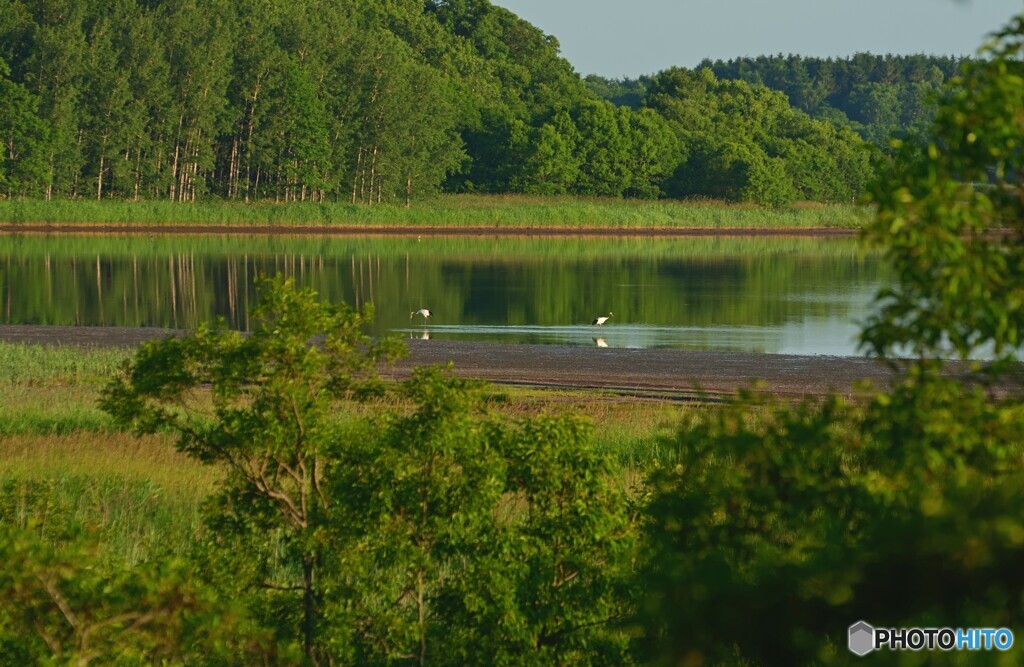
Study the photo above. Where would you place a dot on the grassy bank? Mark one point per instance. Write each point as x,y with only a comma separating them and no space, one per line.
63,462
447,212
54,391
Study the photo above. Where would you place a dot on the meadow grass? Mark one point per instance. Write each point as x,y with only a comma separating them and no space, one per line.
448,211
138,496
295,252
27,364
54,390
65,464
632,431
33,409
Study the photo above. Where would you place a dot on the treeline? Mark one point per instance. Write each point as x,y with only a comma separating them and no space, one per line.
877,96
371,102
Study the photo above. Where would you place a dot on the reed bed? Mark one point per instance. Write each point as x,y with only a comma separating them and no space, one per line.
22,364
54,390
449,211
138,496
297,251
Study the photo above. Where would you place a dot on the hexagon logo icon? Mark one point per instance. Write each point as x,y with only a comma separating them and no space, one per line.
862,638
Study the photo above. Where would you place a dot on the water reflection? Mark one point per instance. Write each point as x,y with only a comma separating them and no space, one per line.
774,294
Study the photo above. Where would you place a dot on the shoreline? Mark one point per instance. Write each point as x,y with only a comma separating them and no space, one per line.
410,230
640,373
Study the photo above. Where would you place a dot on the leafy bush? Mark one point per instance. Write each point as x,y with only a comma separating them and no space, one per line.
782,525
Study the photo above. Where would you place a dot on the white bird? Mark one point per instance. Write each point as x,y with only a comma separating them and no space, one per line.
422,311
600,320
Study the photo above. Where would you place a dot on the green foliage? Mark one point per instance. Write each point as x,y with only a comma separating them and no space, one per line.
365,102
744,142
272,394
419,495
438,534
24,138
949,209
566,553
61,605
807,518
877,95
906,509
758,490
503,544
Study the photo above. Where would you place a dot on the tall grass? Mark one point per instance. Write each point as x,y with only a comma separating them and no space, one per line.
140,496
22,364
450,211
64,464
25,248
54,390
632,431
44,421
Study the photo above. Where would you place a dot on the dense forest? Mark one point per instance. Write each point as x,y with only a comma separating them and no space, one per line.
877,96
374,102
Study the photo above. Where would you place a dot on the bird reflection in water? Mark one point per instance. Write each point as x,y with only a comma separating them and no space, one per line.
425,335
600,342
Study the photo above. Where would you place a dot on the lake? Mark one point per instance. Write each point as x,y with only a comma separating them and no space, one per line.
776,294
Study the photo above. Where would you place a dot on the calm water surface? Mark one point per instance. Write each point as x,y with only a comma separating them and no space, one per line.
798,295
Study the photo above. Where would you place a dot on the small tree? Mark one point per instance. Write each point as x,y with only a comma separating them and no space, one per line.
484,542
261,405
433,532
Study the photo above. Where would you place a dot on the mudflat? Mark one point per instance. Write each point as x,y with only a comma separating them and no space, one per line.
655,373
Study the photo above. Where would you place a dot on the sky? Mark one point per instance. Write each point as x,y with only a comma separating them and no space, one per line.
627,38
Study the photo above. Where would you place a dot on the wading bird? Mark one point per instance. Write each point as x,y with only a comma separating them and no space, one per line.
422,311
600,320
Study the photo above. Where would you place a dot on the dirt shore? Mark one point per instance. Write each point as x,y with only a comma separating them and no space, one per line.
411,230
657,373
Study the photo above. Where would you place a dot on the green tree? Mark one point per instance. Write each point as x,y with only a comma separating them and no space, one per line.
904,508
482,541
421,490
604,148
110,119
57,65
62,604
404,123
654,154
877,107
149,120
24,161
268,418
960,288
566,556
199,42
552,161
744,142
435,533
